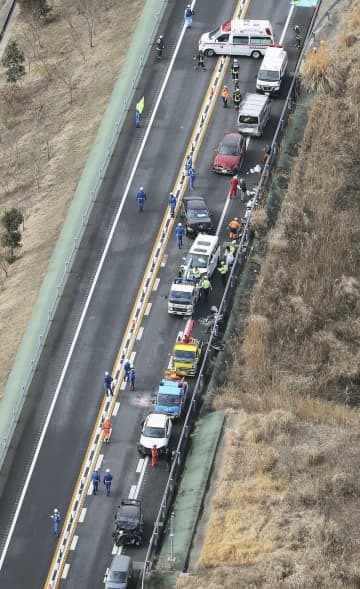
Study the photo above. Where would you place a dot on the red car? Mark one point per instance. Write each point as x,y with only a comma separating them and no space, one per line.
229,154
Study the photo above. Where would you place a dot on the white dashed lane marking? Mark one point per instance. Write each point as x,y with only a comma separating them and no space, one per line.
65,571
140,333
132,491
74,542
82,514
140,465
117,405
156,284
148,309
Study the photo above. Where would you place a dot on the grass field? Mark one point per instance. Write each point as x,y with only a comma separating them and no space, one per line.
43,145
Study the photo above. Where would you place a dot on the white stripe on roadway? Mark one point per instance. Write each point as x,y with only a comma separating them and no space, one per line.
281,40
140,333
140,465
82,515
142,473
148,309
132,491
156,284
74,542
117,405
88,301
132,357
64,574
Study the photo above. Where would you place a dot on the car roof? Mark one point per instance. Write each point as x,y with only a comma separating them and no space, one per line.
156,419
120,562
253,103
203,242
231,138
196,203
169,389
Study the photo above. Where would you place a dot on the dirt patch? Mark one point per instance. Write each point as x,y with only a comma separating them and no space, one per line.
47,128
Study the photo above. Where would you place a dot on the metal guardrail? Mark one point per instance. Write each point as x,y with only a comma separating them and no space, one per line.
182,447
5,442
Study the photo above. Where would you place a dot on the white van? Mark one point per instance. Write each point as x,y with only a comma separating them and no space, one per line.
238,37
272,70
254,113
204,254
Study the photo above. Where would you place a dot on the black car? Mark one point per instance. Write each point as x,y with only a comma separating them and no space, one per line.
196,216
129,524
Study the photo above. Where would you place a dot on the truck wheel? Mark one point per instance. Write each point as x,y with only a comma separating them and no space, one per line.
210,52
256,54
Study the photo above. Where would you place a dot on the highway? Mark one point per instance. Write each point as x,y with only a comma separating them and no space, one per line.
26,542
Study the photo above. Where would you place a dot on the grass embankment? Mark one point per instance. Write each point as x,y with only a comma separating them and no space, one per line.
47,128
286,509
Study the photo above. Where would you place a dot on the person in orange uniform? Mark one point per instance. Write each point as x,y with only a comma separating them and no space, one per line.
225,95
107,429
234,228
154,455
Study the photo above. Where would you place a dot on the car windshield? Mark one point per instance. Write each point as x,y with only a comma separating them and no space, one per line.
168,400
215,33
117,576
248,120
179,296
128,515
154,432
197,260
197,213
184,355
269,76
229,149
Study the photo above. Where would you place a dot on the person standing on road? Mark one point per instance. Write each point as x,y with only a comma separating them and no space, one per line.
188,14
172,205
233,187
154,455
229,257
188,164
243,190
56,517
107,481
108,380
127,368
223,269
192,174
234,228
137,118
179,232
169,456
206,287
107,429
200,61
237,98
225,96
235,70
132,378
267,152
95,479
141,198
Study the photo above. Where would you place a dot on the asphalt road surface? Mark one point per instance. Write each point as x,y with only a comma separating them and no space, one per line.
32,544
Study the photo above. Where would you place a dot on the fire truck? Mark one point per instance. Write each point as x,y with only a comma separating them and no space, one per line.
185,358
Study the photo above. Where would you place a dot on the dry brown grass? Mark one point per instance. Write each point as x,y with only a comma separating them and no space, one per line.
286,508
45,139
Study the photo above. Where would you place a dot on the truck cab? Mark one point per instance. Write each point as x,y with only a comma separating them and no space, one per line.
183,296
185,358
171,396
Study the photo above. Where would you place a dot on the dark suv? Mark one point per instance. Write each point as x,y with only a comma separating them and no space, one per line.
129,524
196,216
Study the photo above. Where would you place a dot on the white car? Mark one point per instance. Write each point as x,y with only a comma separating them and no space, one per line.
156,431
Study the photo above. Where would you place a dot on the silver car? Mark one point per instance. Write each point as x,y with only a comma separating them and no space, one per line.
120,572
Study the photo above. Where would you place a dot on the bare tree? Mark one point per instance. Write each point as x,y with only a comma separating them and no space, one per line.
88,9
66,75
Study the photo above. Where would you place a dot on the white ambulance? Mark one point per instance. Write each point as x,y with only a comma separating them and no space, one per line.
238,37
